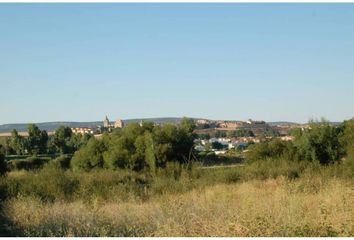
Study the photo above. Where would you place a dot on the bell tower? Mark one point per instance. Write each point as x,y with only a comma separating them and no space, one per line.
106,122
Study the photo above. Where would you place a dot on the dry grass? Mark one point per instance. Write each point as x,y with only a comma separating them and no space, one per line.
305,207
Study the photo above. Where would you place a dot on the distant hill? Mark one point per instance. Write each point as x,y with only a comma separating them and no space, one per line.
51,126
282,123
155,120
48,126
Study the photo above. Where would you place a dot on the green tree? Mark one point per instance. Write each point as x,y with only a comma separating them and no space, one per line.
17,143
117,154
62,140
217,145
347,137
240,133
90,156
220,134
43,141
140,147
149,153
320,143
36,140
270,149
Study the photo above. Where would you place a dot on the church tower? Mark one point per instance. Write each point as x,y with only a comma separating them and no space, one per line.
106,122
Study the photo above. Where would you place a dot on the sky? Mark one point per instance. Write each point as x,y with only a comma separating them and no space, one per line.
80,62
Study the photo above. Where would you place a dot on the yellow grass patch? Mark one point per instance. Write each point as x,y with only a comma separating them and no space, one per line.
256,208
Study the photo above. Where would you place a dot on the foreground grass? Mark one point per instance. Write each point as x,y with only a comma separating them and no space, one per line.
308,206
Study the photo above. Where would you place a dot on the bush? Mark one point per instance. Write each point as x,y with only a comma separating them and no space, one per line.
273,168
319,143
3,165
269,149
63,161
348,167
89,157
138,147
49,184
30,163
102,185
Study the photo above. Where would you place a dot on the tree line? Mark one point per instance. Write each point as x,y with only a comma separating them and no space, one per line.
321,143
63,141
138,147
148,146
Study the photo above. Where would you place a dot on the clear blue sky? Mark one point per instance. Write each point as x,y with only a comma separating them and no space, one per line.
79,62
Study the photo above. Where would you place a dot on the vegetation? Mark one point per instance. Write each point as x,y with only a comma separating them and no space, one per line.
236,133
38,142
3,165
138,147
320,143
240,133
143,181
274,207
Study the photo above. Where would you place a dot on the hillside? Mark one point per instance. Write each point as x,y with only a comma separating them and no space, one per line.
51,126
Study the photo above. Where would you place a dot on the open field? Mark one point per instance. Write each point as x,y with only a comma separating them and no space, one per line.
275,207
282,199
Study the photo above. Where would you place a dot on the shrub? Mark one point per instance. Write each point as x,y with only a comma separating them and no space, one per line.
269,149
273,168
89,156
319,143
138,147
103,185
3,165
49,184
63,161
30,163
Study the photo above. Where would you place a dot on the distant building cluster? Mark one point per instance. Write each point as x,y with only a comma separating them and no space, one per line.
202,145
231,125
82,130
219,145
106,126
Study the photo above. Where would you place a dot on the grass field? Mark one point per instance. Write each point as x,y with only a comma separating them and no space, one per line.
199,202
274,207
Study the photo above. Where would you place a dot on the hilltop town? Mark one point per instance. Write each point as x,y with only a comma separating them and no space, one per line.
106,126
217,136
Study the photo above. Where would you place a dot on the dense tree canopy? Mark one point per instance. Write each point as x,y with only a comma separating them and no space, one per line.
17,143
138,147
240,133
61,140
320,142
37,140
269,149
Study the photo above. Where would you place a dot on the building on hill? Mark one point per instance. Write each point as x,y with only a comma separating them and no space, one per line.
108,126
255,123
205,123
232,125
83,130
119,124
202,121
